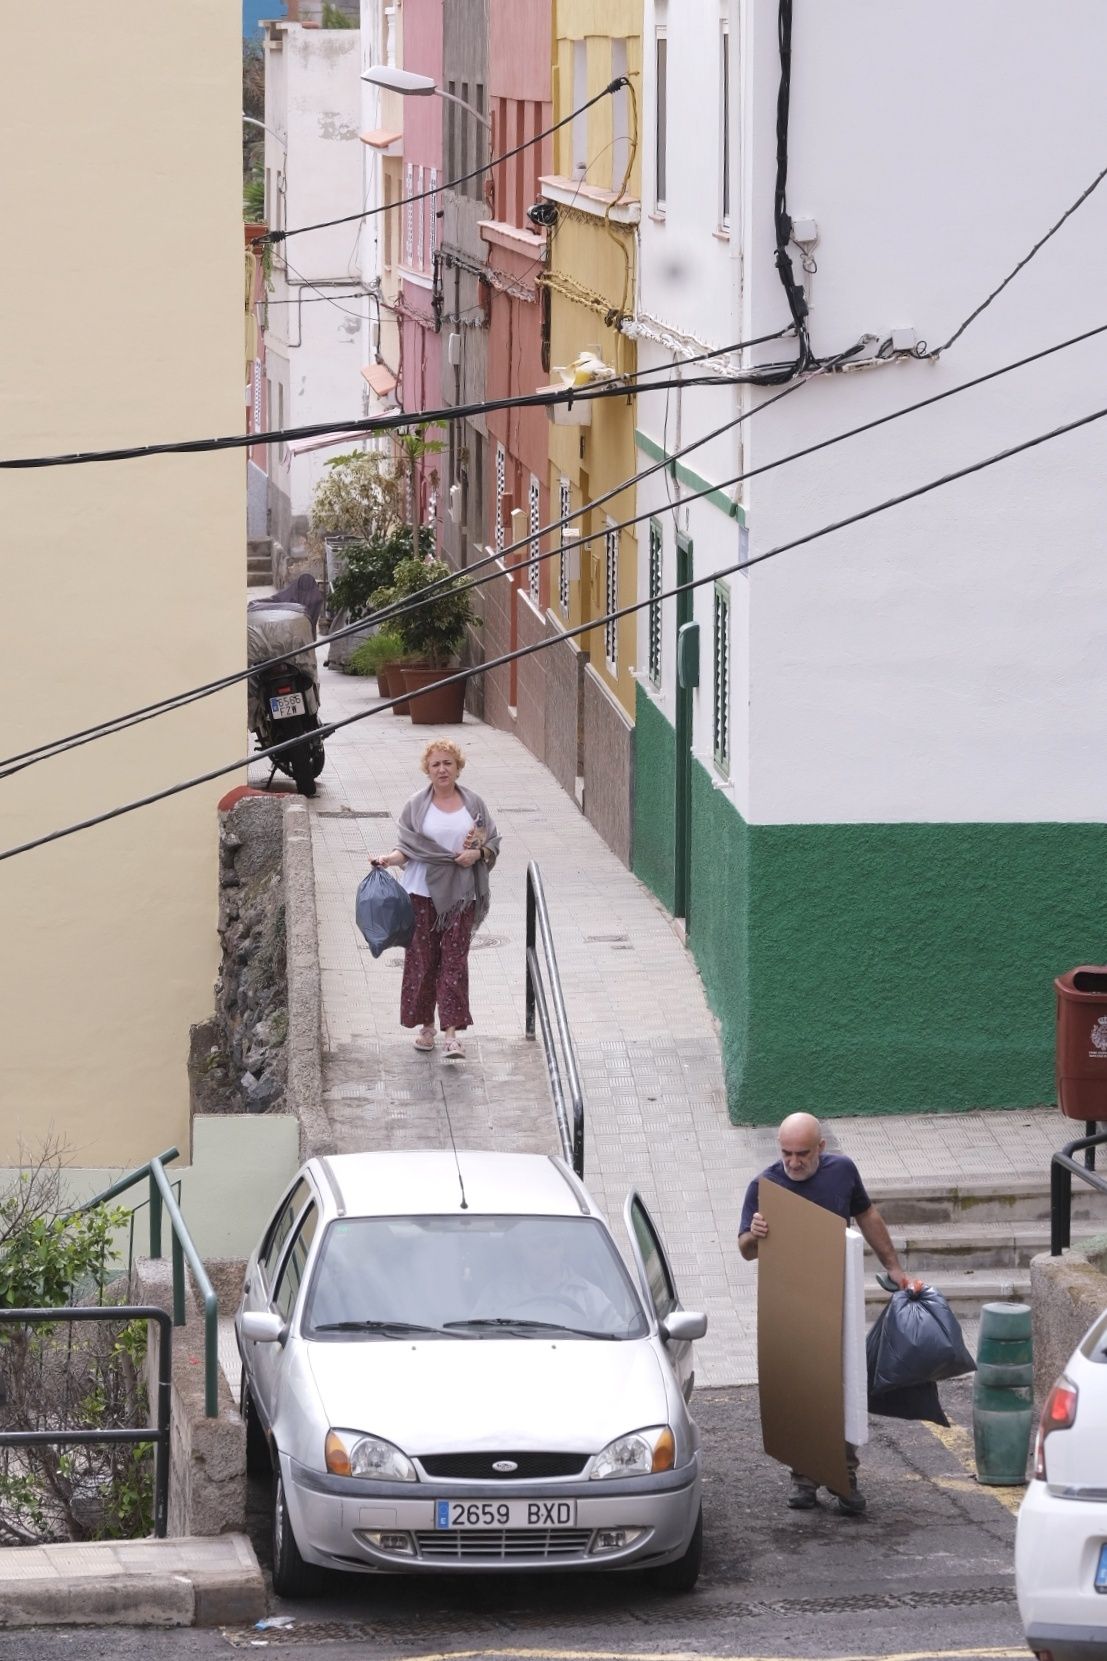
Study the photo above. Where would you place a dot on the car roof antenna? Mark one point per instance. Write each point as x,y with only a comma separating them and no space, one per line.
453,1144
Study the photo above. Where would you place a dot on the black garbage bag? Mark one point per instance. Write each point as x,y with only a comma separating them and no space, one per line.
384,912
915,1340
917,1401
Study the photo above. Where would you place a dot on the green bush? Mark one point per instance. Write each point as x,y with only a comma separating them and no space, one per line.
433,632
369,565
383,647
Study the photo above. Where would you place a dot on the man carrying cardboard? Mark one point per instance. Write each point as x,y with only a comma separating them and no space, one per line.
833,1182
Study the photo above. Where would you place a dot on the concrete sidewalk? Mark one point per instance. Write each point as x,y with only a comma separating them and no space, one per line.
187,1582
646,1041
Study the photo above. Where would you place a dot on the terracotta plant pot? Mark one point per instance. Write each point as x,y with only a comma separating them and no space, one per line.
390,680
436,706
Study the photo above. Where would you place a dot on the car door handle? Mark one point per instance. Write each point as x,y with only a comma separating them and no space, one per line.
245,1285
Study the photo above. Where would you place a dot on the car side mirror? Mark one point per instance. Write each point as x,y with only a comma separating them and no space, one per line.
682,1326
262,1327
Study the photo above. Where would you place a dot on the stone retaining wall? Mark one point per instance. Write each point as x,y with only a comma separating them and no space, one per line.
1067,1294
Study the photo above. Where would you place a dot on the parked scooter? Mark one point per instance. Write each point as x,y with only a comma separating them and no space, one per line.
284,699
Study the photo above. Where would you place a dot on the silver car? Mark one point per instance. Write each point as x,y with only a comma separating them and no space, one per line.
449,1368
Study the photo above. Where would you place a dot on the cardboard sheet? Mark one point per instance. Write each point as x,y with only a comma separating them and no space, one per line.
800,1296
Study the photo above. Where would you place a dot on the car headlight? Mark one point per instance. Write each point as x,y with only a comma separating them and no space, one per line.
641,1453
352,1453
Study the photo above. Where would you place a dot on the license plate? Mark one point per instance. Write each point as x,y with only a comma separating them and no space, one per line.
289,703
1101,1571
464,1514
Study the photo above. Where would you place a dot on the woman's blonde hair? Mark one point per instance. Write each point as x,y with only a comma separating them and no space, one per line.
450,748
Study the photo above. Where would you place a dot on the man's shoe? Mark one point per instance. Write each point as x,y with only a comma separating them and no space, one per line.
802,1497
851,1504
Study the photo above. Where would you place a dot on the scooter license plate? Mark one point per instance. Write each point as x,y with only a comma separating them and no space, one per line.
286,704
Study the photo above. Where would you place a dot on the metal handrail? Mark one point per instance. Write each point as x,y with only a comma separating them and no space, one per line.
1062,1169
181,1248
538,922
157,1433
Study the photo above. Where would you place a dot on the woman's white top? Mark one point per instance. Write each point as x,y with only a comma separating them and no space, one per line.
449,830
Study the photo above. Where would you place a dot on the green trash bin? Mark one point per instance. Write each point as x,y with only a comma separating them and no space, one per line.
1003,1395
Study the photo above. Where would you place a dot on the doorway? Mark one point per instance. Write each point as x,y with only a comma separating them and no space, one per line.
682,841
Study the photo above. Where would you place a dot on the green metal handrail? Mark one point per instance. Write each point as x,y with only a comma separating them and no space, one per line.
162,1199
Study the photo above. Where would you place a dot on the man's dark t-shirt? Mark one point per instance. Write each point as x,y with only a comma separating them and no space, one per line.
836,1185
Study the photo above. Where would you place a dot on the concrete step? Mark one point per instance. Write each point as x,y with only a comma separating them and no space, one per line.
965,1291
930,1247
212,1581
1006,1199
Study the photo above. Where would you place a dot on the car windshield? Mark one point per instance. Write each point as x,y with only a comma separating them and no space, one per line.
470,1277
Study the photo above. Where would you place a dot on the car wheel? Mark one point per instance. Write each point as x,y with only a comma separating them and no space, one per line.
292,1577
257,1446
681,1576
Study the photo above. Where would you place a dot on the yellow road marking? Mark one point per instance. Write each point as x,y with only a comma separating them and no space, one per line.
985,1653
959,1442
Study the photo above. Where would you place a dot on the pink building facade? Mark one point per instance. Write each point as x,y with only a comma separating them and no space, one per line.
517,454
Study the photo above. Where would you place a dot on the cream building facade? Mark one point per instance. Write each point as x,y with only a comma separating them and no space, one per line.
124,581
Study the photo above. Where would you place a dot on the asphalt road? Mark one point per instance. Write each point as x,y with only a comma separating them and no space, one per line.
924,1575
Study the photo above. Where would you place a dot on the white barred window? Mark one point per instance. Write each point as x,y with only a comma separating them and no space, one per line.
611,598
501,488
420,236
564,508
432,206
720,726
535,547
655,603
409,214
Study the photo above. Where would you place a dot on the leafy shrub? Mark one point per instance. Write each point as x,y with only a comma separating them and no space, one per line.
433,632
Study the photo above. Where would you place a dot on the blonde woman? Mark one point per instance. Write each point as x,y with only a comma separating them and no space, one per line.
447,846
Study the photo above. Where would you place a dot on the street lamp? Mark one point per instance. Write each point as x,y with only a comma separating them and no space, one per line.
252,121
410,85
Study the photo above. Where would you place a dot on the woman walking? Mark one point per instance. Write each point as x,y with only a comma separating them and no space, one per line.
447,846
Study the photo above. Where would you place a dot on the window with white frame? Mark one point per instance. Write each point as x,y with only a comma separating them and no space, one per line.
654,614
611,597
661,118
720,720
501,491
724,127
409,214
534,550
420,234
564,508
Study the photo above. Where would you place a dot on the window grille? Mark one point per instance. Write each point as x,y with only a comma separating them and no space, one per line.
420,240
721,679
432,205
564,508
655,604
611,599
501,489
535,547
409,214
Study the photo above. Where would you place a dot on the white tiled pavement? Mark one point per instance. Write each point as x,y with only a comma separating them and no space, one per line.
646,1041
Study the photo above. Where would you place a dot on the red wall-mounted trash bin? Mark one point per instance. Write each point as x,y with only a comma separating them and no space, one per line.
1081,1054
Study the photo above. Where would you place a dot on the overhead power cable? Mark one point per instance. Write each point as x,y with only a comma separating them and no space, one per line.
622,386
1011,275
16,763
328,731
164,706
609,90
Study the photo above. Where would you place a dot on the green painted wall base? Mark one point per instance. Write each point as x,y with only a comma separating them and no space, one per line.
875,968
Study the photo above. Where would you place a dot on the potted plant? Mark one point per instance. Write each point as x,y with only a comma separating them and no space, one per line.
357,512
433,634
380,656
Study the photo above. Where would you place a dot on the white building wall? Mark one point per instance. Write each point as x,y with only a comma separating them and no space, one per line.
943,661
690,300
317,311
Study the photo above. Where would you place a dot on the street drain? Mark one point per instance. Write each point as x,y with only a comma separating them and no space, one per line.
457,1623
353,813
607,939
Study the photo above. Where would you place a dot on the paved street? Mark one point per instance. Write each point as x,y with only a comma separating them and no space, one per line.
649,1055
925,1574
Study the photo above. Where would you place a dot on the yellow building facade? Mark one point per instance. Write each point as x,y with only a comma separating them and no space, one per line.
591,280
124,581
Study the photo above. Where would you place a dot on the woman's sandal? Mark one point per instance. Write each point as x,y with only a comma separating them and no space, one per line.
454,1051
425,1041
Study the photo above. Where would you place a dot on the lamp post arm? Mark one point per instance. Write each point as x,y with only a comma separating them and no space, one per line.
451,97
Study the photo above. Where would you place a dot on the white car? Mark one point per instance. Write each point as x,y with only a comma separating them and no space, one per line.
1061,1542
449,1367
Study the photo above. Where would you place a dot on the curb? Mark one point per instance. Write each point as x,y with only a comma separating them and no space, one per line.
304,1047
154,1583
